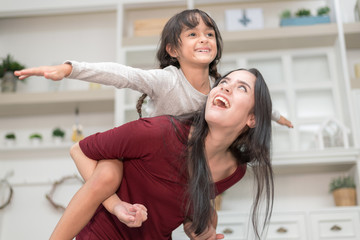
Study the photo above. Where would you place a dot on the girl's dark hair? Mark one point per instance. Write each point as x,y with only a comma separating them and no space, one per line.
252,147
171,35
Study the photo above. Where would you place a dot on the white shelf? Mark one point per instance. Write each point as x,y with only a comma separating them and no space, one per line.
48,150
280,38
22,104
331,160
265,39
12,9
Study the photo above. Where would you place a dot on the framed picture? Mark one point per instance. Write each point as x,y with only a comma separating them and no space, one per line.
242,19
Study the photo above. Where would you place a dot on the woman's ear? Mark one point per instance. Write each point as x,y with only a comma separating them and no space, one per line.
251,122
171,51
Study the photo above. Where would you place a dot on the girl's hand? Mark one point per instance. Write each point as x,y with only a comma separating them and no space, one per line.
55,73
132,215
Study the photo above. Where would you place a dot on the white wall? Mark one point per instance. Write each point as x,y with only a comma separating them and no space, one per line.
48,40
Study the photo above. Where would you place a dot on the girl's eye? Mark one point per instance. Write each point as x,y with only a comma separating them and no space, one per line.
210,34
192,34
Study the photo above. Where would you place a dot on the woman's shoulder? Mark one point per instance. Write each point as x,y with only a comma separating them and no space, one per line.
235,177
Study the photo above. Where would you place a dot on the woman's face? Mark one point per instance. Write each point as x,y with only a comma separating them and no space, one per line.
231,102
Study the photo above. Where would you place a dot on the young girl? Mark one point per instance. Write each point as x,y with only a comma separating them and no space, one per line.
191,47
176,165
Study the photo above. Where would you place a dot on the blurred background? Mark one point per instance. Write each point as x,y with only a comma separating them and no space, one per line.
307,50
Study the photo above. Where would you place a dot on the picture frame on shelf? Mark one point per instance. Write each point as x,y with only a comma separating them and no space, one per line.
244,19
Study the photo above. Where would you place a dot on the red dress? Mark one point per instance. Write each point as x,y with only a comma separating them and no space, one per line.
153,176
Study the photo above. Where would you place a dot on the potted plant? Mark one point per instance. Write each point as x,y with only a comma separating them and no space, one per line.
10,139
285,14
323,11
35,138
58,135
343,190
7,68
303,17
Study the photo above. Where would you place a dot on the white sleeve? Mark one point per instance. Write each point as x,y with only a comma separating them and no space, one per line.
121,76
275,115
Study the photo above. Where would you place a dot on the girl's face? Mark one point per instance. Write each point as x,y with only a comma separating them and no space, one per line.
197,46
231,102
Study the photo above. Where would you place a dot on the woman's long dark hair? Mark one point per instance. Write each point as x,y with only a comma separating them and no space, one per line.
252,147
171,35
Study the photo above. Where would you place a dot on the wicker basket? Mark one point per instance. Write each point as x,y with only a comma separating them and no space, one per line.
345,197
218,201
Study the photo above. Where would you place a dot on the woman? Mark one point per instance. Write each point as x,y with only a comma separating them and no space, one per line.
176,165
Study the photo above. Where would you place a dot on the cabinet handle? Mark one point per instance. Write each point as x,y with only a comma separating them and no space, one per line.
335,228
228,231
281,230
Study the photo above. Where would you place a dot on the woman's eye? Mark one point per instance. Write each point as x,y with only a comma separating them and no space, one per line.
243,88
222,82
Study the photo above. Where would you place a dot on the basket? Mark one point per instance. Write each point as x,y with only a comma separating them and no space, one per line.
345,197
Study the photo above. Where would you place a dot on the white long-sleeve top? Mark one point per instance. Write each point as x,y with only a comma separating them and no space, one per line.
168,89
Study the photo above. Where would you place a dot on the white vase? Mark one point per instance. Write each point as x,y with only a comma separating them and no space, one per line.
57,140
9,142
8,82
35,141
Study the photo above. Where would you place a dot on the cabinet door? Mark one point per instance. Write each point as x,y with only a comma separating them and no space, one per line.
304,88
339,225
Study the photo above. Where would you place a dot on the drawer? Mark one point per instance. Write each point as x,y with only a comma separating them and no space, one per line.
338,225
233,225
287,226
233,231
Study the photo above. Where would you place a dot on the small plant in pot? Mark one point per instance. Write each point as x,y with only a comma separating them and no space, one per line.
343,190
58,135
323,11
35,138
8,79
285,14
303,13
10,139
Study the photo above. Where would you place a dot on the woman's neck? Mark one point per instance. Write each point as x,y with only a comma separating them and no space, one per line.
198,78
221,162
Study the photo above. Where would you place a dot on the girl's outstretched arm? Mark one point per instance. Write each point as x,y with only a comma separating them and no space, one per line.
285,122
55,73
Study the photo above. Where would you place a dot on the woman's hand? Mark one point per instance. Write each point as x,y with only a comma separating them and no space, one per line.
208,234
55,73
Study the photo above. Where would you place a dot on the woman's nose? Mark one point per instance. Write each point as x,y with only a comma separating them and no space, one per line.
226,88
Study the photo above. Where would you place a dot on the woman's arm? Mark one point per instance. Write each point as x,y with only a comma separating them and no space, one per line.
208,234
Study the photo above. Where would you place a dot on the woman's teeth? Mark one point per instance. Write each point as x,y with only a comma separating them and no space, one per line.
221,102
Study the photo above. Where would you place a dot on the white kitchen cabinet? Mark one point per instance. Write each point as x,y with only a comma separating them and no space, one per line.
335,225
